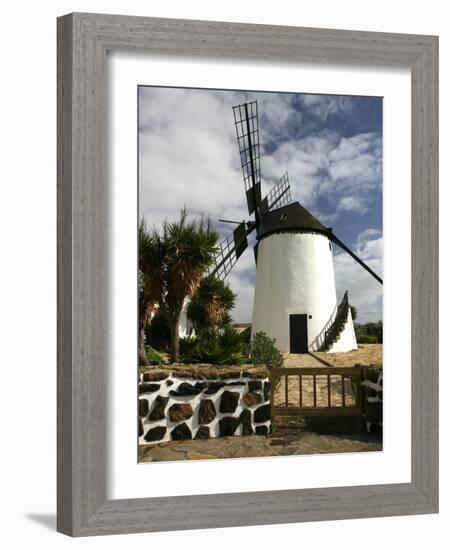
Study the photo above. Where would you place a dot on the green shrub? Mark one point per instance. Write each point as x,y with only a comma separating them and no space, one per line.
264,352
369,333
153,356
187,345
230,338
157,334
246,334
230,347
224,348
366,339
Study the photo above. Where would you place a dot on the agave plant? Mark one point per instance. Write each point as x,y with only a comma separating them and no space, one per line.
222,348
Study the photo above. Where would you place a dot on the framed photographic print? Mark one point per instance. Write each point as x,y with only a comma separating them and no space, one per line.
247,274
219,298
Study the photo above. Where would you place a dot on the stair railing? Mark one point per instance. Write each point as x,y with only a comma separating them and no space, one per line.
339,322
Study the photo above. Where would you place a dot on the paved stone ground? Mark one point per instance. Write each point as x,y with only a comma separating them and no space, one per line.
278,444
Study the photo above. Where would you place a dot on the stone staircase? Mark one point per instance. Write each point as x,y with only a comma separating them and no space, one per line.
333,333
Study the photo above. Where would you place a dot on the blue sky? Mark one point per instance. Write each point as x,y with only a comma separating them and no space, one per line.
330,145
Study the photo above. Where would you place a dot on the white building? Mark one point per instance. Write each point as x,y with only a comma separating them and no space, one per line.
295,293
186,328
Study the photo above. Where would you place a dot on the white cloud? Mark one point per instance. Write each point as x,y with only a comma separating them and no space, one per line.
356,164
187,155
365,293
367,239
347,171
306,161
188,152
242,281
324,106
352,203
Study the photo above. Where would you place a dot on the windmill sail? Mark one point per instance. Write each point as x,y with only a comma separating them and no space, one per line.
278,196
247,132
355,257
230,249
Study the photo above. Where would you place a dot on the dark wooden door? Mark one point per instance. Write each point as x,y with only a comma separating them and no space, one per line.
298,333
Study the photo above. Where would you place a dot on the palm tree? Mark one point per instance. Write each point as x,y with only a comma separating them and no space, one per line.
151,257
190,248
209,306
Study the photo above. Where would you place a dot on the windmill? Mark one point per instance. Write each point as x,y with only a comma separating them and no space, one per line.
295,293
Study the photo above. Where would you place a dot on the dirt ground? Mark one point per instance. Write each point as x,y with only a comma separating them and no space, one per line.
366,354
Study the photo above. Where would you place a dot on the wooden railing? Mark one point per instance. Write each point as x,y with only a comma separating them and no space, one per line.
319,340
339,395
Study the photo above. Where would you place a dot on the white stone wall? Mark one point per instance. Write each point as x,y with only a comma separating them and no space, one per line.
170,385
373,398
185,327
294,274
347,338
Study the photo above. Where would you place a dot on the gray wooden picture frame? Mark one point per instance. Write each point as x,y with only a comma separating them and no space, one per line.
83,41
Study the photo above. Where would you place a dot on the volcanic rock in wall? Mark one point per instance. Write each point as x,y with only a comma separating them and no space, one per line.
252,398
373,374
143,407
214,387
206,411
180,432
229,401
148,388
262,414
246,420
375,428
261,430
254,385
155,376
202,433
375,411
184,389
159,408
228,425
155,434
180,411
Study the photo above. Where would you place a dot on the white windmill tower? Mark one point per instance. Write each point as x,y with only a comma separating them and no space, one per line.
295,293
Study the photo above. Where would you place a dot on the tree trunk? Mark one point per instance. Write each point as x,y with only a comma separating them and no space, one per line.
175,339
141,349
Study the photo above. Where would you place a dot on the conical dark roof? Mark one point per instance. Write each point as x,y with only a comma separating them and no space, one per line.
293,217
